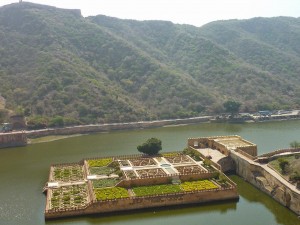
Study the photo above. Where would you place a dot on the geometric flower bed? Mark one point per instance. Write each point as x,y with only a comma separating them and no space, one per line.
198,185
142,162
124,163
129,174
69,197
150,172
68,173
110,193
156,189
103,183
189,169
178,159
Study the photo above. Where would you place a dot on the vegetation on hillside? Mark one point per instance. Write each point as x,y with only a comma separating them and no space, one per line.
58,68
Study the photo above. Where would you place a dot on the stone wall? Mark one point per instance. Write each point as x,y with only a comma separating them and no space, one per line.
114,126
148,202
255,174
13,139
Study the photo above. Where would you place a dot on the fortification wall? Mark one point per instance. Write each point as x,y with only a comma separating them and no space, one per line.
255,174
148,202
14,139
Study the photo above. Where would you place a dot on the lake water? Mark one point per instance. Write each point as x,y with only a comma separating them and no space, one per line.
24,172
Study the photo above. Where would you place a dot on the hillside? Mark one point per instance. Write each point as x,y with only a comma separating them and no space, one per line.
55,63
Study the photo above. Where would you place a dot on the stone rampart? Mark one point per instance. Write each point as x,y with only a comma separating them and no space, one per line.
13,139
264,180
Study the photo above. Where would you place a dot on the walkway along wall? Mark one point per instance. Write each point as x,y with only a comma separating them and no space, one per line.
262,178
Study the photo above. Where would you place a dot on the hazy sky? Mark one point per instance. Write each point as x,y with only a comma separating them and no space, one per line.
195,12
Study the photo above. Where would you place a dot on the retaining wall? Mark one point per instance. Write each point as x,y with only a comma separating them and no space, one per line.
113,126
255,174
148,202
14,139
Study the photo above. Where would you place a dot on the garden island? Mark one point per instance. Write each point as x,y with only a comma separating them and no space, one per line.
118,183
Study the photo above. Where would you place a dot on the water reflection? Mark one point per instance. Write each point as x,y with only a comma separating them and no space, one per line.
283,215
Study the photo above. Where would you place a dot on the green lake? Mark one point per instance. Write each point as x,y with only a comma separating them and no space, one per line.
24,172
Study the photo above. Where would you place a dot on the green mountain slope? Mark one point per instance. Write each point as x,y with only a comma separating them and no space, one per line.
54,62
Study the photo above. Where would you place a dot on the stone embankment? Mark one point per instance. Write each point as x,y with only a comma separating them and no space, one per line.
13,139
113,126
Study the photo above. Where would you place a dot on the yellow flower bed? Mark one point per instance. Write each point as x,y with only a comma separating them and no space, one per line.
198,185
110,193
99,162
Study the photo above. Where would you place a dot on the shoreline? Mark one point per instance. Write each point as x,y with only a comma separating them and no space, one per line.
54,134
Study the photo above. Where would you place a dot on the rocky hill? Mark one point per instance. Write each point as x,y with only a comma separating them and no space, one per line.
54,62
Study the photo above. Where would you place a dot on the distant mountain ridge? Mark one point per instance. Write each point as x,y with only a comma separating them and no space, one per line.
54,62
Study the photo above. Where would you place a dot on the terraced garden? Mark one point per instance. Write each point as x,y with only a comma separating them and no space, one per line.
69,197
103,194
67,173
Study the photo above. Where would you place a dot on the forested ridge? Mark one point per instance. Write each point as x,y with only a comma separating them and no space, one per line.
56,64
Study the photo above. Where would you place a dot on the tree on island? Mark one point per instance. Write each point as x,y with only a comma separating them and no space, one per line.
151,147
232,107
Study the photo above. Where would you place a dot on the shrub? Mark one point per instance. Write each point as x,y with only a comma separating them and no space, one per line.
151,147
